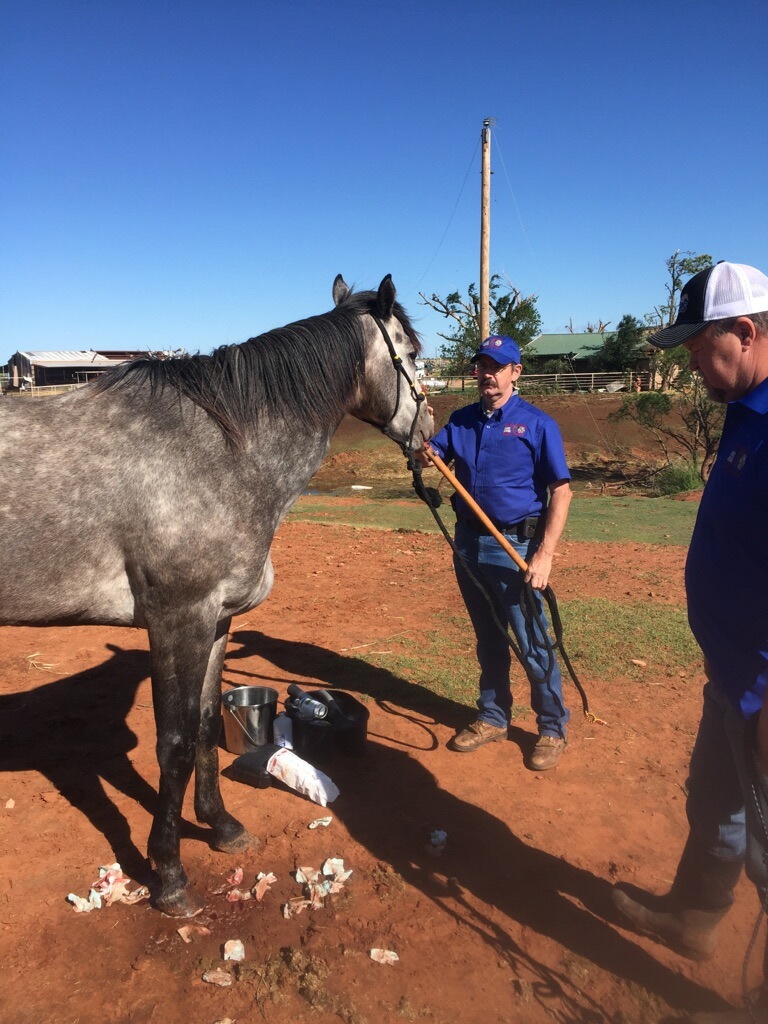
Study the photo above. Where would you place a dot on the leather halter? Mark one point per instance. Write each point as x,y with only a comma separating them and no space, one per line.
417,393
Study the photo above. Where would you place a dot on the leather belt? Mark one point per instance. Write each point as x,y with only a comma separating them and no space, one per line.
525,528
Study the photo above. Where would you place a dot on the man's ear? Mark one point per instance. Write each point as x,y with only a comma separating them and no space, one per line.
746,330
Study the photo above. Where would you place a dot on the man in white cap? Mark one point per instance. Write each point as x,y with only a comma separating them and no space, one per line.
723,323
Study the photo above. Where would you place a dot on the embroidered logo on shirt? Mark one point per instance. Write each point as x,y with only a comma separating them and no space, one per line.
736,460
518,429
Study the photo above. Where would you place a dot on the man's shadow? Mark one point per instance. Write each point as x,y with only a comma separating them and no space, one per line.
74,732
350,673
390,803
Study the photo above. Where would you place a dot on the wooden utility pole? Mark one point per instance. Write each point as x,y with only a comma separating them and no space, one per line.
485,232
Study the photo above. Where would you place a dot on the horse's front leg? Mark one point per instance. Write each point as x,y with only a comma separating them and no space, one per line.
229,834
180,643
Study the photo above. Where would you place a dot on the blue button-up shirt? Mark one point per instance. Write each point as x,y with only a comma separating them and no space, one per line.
506,460
726,574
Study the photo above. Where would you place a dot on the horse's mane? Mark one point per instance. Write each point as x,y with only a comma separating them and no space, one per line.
308,369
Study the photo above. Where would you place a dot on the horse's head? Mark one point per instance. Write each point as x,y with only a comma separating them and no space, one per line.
390,396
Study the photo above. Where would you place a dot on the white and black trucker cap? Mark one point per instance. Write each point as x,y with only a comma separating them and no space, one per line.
717,293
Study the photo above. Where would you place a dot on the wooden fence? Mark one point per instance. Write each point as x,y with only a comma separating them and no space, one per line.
556,382
565,382
46,389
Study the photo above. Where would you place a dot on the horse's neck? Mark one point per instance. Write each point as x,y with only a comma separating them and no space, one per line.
288,454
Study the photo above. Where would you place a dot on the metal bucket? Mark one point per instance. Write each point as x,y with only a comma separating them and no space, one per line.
248,713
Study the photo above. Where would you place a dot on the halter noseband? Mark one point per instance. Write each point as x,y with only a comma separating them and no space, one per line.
417,394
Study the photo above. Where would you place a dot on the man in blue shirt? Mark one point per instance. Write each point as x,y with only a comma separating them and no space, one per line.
723,323
510,458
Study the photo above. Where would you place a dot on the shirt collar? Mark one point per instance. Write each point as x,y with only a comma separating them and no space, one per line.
757,398
503,411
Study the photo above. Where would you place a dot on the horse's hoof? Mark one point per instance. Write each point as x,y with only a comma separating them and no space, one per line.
230,840
182,903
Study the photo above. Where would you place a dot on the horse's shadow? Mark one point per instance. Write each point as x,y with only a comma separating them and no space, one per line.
485,860
73,731
341,671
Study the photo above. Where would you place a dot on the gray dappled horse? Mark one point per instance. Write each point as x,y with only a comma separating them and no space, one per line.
151,496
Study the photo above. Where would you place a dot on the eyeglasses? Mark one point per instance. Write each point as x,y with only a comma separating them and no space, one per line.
492,368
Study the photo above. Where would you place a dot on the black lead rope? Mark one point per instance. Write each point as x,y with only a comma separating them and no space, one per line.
760,801
531,608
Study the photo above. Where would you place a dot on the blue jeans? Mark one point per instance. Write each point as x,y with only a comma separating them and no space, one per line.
503,580
727,798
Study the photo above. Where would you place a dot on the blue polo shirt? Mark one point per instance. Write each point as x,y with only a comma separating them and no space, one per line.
506,460
726,574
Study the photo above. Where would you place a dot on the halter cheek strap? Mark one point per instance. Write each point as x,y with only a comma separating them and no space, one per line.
417,393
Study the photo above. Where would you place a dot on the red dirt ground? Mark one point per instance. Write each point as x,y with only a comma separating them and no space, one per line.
512,923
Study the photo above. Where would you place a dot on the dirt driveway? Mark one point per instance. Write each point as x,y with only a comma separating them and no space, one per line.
511,923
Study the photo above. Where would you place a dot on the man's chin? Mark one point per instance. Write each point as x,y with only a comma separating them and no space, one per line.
716,394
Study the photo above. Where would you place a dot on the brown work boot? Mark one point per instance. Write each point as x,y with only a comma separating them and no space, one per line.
691,933
546,753
475,735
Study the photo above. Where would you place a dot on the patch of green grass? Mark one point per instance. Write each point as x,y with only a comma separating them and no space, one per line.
635,520
681,476
364,512
605,637
602,640
621,520
444,663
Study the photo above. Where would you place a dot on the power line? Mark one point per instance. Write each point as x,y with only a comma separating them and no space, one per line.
450,219
523,228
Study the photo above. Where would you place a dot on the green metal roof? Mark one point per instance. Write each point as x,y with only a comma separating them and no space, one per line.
577,346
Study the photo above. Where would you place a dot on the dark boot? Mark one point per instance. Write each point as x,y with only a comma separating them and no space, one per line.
687,916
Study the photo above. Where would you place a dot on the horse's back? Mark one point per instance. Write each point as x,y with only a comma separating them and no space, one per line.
110,498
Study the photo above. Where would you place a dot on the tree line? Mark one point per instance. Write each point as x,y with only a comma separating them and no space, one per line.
512,312
677,413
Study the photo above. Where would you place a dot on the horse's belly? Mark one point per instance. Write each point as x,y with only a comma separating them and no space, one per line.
237,599
33,598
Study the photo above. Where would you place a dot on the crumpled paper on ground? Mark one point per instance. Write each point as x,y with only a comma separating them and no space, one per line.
264,882
318,884
384,956
438,841
218,977
257,891
234,950
188,931
110,887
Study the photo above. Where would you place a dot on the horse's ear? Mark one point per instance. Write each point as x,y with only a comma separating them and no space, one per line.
385,299
340,290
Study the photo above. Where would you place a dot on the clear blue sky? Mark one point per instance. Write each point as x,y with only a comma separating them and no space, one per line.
190,173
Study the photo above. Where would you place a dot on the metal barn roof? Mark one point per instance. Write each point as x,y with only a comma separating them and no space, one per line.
577,346
75,358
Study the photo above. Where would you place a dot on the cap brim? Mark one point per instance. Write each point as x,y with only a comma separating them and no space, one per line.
479,354
676,334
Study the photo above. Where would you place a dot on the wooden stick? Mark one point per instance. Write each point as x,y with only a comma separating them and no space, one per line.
449,476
